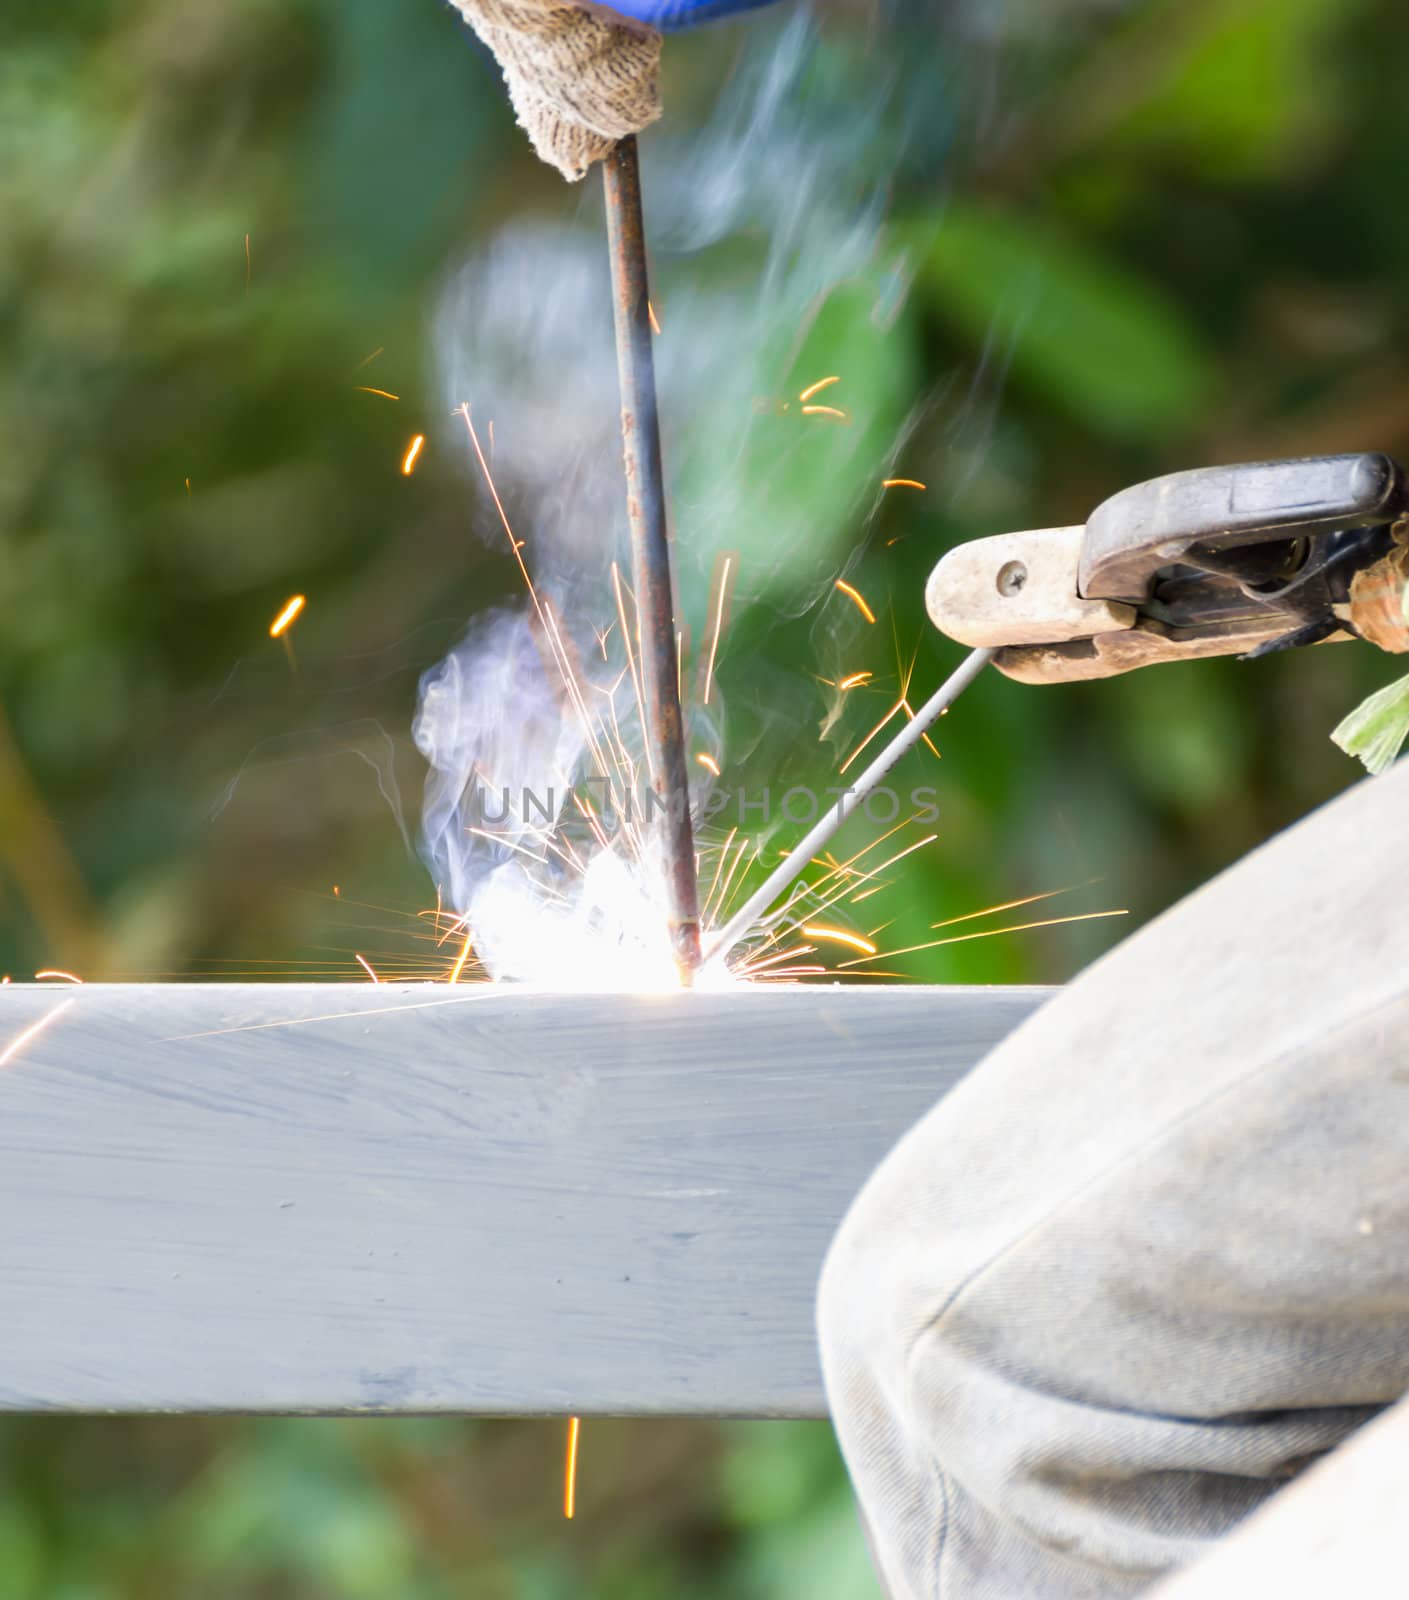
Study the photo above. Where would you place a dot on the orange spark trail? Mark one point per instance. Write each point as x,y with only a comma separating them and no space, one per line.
631,658
846,869
366,966
784,918
570,1472
853,594
850,889
590,816
708,763
56,972
817,388
901,483
292,607
854,680
514,544
20,1040
655,320
838,936
386,394
906,676
874,731
825,411
573,687
719,867
367,361
564,665
959,938
749,968
1008,905
408,461
738,857
928,742
460,960
718,624
249,264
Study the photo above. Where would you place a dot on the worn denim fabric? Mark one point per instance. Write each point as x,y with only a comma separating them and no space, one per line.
1152,1256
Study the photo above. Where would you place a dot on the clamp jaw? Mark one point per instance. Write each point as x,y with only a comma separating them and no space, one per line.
1240,560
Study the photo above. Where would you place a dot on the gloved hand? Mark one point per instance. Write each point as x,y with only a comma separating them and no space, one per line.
580,77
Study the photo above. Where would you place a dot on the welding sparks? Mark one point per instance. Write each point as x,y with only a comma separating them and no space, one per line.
56,972
825,411
249,264
902,483
21,1039
366,966
386,394
570,1470
1007,905
988,933
539,921
460,960
817,388
839,936
718,624
285,620
533,925
413,450
857,598
367,361
653,318
884,722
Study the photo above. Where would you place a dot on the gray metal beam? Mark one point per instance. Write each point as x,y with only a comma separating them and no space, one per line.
318,1198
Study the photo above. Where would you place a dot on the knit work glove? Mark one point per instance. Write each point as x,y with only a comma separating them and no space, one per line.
577,81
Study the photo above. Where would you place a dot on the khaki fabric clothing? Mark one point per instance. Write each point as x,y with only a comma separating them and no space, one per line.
1151,1257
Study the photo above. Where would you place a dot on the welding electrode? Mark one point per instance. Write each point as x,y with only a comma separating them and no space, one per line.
797,859
650,550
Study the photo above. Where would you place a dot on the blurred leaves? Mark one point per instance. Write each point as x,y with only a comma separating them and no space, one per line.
1247,91
431,1509
1087,336
807,476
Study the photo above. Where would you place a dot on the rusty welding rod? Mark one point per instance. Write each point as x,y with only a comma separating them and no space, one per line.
650,549
783,876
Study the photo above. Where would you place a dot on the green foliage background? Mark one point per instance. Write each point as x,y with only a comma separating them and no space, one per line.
1164,234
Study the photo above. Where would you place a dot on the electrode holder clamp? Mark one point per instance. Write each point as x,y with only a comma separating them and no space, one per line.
1238,560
